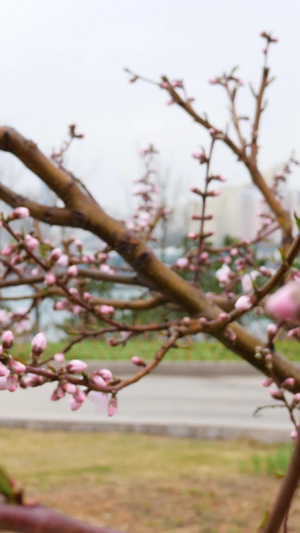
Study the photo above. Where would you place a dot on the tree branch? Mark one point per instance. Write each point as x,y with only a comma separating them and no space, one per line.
39,519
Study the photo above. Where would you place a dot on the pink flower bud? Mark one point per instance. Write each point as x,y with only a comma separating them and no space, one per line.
106,309
9,249
72,271
75,405
294,434
73,291
186,320
98,381
192,235
58,393
7,340
76,366
50,278
87,296
138,361
223,315
17,367
12,383
105,374
296,398
272,330
38,344
182,262
284,303
276,394
288,383
59,357
31,243
267,382
244,303
3,370
79,395
70,388
20,212
59,306
112,406
63,260
55,254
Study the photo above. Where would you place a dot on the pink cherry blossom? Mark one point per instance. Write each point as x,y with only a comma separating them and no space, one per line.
112,406
72,271
50,278
31,243
7,339
284,304
38,344
59,357
76,366
20,212
243,303
182,262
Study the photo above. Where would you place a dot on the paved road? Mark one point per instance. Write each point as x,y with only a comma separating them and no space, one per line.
220,407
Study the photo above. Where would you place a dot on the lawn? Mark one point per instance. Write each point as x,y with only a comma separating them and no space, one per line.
193,351
144,484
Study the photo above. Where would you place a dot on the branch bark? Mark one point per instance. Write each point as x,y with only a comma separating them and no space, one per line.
39,519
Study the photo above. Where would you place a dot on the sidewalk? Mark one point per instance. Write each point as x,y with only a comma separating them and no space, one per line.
217,405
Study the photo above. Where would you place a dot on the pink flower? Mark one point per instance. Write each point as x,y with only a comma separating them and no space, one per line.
98,381
17,367
7,339
3,370
63,260
247,280
182,262
106,309
76,366
59,357
100,399
31,243
272,330
50,278
31,380
12,383
105,374
284,304
38,344
79,395
20,212
72,271
112,406
75,405
55,254
138,361
70,388
288,383
223,275
9,249
243,303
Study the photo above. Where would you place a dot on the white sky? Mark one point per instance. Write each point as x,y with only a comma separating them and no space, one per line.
62,61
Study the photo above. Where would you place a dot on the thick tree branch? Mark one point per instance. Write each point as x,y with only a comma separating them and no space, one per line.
39,519
89,215
45,213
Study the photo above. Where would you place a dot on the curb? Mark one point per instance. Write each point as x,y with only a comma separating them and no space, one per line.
180,368
203,432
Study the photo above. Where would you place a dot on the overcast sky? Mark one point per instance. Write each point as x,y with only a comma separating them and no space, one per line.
62,61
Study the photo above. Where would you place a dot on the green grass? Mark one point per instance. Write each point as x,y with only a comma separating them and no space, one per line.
201,351
274,463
